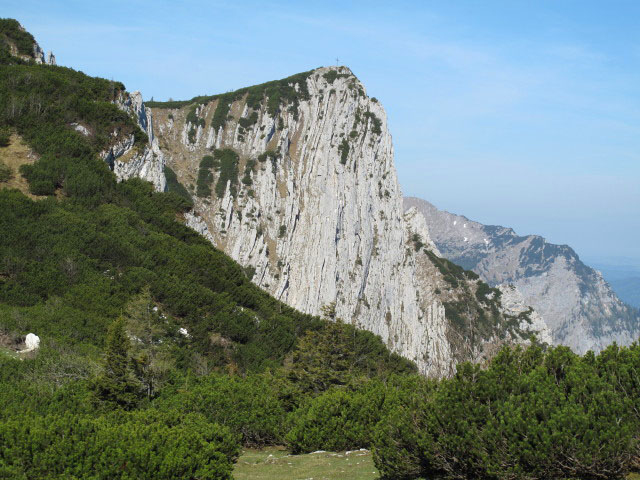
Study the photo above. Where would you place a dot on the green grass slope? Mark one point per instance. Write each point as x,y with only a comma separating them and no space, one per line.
277,464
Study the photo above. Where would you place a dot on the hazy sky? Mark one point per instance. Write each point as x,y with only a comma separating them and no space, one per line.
519,113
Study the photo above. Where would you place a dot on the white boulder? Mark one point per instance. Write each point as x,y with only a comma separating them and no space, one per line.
32,342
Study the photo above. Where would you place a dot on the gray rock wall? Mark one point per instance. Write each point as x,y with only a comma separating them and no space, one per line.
125,160
316,225
317,230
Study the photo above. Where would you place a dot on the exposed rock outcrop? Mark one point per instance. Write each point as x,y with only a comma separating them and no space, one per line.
38,54
530,320
301,189
126,159
576,303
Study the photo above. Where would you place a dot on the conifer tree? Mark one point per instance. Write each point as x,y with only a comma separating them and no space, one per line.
323,358
117,385
151,362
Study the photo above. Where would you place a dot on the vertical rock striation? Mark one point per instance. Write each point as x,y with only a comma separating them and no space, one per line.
298,185
125,159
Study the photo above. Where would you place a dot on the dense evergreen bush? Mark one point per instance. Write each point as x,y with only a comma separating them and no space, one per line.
221,113
40,102
248,168
340,419
174,186
278,94
343,150
144,445
249,406
336,354
6,173
529,415
249,121
376,123
193,118
12,33
205,177
195,122
5,137
228,171
401,436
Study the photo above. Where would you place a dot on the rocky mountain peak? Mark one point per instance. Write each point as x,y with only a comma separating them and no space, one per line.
295,179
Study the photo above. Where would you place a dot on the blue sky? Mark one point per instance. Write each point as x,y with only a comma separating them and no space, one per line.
519,113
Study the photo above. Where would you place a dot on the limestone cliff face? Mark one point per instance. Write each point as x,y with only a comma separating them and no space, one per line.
573,299
125,159
301,190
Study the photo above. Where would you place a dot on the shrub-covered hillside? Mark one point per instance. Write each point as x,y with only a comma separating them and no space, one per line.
133,309
16,44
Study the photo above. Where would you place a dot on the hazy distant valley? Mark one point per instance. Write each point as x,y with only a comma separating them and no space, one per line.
625,280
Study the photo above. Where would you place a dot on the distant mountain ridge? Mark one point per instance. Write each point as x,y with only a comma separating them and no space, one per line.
574,300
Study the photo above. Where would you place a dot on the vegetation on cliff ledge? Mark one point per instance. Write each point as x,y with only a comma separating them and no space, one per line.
277,94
